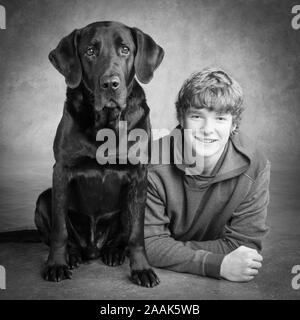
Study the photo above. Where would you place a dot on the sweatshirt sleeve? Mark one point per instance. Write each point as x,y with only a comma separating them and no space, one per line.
166,252
247,225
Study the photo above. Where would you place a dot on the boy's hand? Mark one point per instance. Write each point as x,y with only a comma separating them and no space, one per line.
240,265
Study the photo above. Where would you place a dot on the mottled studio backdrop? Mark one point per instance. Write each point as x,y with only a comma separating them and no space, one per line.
253,40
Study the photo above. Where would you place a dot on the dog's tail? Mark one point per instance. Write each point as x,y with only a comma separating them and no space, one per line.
20,236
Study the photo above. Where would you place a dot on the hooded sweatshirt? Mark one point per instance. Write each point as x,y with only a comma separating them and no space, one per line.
192,222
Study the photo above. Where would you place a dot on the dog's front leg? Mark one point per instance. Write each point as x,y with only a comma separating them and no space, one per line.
56,268
141,272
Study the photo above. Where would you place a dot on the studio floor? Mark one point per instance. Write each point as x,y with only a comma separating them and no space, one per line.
23,261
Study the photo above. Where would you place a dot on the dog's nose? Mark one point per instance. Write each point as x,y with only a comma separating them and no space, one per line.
107,82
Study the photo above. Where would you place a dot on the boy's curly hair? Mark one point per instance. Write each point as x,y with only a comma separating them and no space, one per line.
214,89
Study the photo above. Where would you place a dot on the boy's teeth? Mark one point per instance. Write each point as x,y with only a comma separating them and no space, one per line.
207,140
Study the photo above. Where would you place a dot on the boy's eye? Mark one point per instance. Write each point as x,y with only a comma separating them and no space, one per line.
195,116
221,117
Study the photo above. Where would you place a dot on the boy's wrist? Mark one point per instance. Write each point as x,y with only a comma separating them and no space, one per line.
212,265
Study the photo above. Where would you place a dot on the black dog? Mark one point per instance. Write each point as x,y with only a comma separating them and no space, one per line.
97,210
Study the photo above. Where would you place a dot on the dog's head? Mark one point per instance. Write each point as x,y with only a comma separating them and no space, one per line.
105,57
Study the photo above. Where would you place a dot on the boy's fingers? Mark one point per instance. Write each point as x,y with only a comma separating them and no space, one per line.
255,264
257,257
251,272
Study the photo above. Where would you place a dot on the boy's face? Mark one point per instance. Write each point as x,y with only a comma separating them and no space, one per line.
210,131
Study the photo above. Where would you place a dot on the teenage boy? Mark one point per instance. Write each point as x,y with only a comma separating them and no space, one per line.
210,223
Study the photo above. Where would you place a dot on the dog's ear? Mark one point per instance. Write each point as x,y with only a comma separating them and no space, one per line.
65,59
148,56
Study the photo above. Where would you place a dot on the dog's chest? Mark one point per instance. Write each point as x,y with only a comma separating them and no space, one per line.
98,191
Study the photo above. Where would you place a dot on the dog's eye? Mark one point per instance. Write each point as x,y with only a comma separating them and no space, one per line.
90,51
125,50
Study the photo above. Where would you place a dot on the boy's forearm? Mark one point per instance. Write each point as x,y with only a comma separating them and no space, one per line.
166,252
218,246
224,245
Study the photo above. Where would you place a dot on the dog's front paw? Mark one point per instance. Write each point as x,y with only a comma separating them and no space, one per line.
113,256
145,278
56,272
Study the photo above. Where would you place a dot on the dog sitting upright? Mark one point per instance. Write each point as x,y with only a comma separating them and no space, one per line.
97,210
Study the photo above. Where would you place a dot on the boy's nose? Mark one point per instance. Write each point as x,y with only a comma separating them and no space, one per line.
208,125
